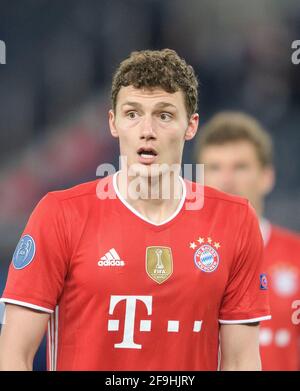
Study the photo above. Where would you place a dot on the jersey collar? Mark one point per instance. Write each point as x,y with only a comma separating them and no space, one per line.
265,229
138,214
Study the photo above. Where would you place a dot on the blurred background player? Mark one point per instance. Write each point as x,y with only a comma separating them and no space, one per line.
237,154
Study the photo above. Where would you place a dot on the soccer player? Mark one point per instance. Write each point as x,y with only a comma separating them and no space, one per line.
126,271
237,153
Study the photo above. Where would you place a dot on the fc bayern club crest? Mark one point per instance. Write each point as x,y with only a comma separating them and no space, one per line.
206,257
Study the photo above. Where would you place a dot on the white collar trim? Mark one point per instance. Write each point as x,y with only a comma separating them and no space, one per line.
265,229
138,214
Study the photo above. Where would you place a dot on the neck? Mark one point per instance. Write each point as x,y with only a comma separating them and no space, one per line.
258,205
156,198
264,225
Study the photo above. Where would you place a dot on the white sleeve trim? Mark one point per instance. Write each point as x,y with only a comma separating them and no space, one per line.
25,304
252,320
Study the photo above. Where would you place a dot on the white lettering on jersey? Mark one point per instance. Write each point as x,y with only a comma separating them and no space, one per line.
111,258
296,314
280,338
145,325
173,326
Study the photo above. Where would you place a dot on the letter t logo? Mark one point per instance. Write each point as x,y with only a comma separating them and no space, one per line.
145,325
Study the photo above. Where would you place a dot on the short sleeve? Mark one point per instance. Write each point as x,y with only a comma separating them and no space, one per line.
40,262
246,295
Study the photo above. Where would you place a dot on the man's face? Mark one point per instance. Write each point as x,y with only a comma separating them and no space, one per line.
235,168
152,126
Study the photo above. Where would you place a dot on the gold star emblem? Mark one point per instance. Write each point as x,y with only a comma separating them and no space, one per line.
217,245
201,240
209,240
193,245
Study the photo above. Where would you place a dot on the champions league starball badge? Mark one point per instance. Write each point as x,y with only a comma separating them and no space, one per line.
263,282
206,257
24,252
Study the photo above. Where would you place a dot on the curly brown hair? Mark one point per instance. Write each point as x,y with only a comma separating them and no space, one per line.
157,68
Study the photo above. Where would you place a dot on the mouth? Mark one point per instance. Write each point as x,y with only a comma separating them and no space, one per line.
147,155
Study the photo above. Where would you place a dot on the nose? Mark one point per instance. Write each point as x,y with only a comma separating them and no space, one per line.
147,129
227,181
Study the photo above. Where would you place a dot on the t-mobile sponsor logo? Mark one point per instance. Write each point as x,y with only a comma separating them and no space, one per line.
130,309
280,338
173,326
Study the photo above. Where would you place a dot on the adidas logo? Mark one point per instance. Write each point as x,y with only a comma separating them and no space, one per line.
111,258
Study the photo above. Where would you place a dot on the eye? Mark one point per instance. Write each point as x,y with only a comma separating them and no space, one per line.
131,114
165,116
212,167
241,167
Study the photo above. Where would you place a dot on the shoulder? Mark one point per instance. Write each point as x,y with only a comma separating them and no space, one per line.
220,196
226,211
214,195
80,197
82,190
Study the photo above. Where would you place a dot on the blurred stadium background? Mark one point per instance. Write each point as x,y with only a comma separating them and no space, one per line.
54,88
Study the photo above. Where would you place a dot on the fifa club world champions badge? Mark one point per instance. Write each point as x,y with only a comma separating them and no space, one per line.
206,256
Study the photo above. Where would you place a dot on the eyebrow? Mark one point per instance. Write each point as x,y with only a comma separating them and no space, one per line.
159,105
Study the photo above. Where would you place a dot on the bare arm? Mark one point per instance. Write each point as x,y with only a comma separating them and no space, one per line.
240,347
20,337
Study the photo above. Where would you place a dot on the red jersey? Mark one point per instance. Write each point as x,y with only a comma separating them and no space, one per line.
128,294
279,340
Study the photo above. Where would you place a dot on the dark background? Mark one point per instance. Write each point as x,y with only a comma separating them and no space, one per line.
54,88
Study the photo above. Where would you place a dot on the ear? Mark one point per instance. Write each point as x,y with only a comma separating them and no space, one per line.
192,127
268,180
112,123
